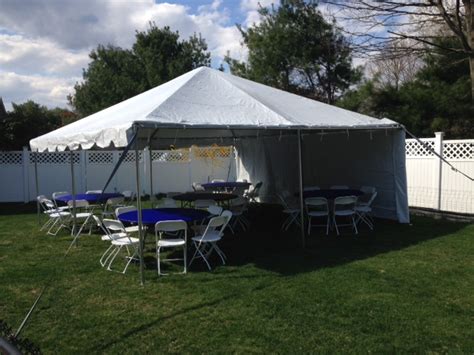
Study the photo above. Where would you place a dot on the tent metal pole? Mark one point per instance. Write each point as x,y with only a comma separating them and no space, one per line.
73,190
37,187
139,210
300,169
152,196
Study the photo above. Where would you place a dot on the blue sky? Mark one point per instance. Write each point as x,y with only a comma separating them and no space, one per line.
44,44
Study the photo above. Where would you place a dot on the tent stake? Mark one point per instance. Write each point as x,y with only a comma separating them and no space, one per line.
300,163
139,210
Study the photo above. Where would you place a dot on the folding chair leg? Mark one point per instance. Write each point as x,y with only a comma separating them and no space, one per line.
328,222
102,262
354,224
130,258
335,224
114,255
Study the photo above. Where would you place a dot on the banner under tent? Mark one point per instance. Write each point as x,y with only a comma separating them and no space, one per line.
285,140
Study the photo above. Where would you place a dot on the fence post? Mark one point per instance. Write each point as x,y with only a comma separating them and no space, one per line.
26,179
439,166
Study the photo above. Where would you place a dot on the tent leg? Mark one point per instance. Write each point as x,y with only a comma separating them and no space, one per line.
73,191
300,170
152,196
139,208
37,188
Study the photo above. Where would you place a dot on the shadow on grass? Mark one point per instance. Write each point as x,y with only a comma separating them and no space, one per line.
12,208
268,248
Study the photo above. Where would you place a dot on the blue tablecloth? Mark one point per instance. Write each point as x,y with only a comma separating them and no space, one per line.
91,198
193,196
225,185
151,216
332,194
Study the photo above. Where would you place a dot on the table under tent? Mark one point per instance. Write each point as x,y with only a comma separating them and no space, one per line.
283,139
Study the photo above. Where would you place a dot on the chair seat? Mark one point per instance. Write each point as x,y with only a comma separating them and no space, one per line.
133,229
209,237
344,213
364,209
291,210
113,236
171,242
83,215
317,213
125,241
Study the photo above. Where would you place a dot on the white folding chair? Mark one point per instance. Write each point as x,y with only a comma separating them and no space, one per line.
198,187
120,210
107,236
80,215
339,187
311,188
128,242
56,195
176,228
93,192
290,208
128,195
317,207
111,205
214,211
238,207
363,207
253,194
344,207
204,204
207,241
58,219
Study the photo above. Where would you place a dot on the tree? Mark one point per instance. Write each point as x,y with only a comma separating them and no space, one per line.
437,98
115,74
295,49
27,121
423,22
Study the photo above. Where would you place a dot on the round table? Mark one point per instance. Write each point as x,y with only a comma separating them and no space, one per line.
151,216
225,185
331,194
193,196
91,198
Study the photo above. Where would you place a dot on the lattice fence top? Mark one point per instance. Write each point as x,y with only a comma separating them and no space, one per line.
415,149
174,156
54,158
130,157
100,157
11,158
212,152
458,149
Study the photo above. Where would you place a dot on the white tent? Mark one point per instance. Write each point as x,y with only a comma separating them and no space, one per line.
282,139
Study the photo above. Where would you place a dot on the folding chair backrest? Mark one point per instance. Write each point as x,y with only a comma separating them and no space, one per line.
367,189
169,203
197,187
316,204
79,204
345,203
228,215
171,226
258,187
339,187
59,194
129,195
121,210
372,198
204,203
113,225
93,192
114,201
215,210
49,205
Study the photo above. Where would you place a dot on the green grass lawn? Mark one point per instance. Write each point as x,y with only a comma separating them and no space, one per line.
400,289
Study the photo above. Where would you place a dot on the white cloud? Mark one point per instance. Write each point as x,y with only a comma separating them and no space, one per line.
251,7
42,54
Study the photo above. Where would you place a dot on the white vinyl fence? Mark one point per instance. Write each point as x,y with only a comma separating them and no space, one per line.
433,184
174,170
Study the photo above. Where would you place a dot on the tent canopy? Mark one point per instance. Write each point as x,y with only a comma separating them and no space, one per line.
214,104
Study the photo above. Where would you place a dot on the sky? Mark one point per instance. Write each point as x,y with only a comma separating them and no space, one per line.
44,44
